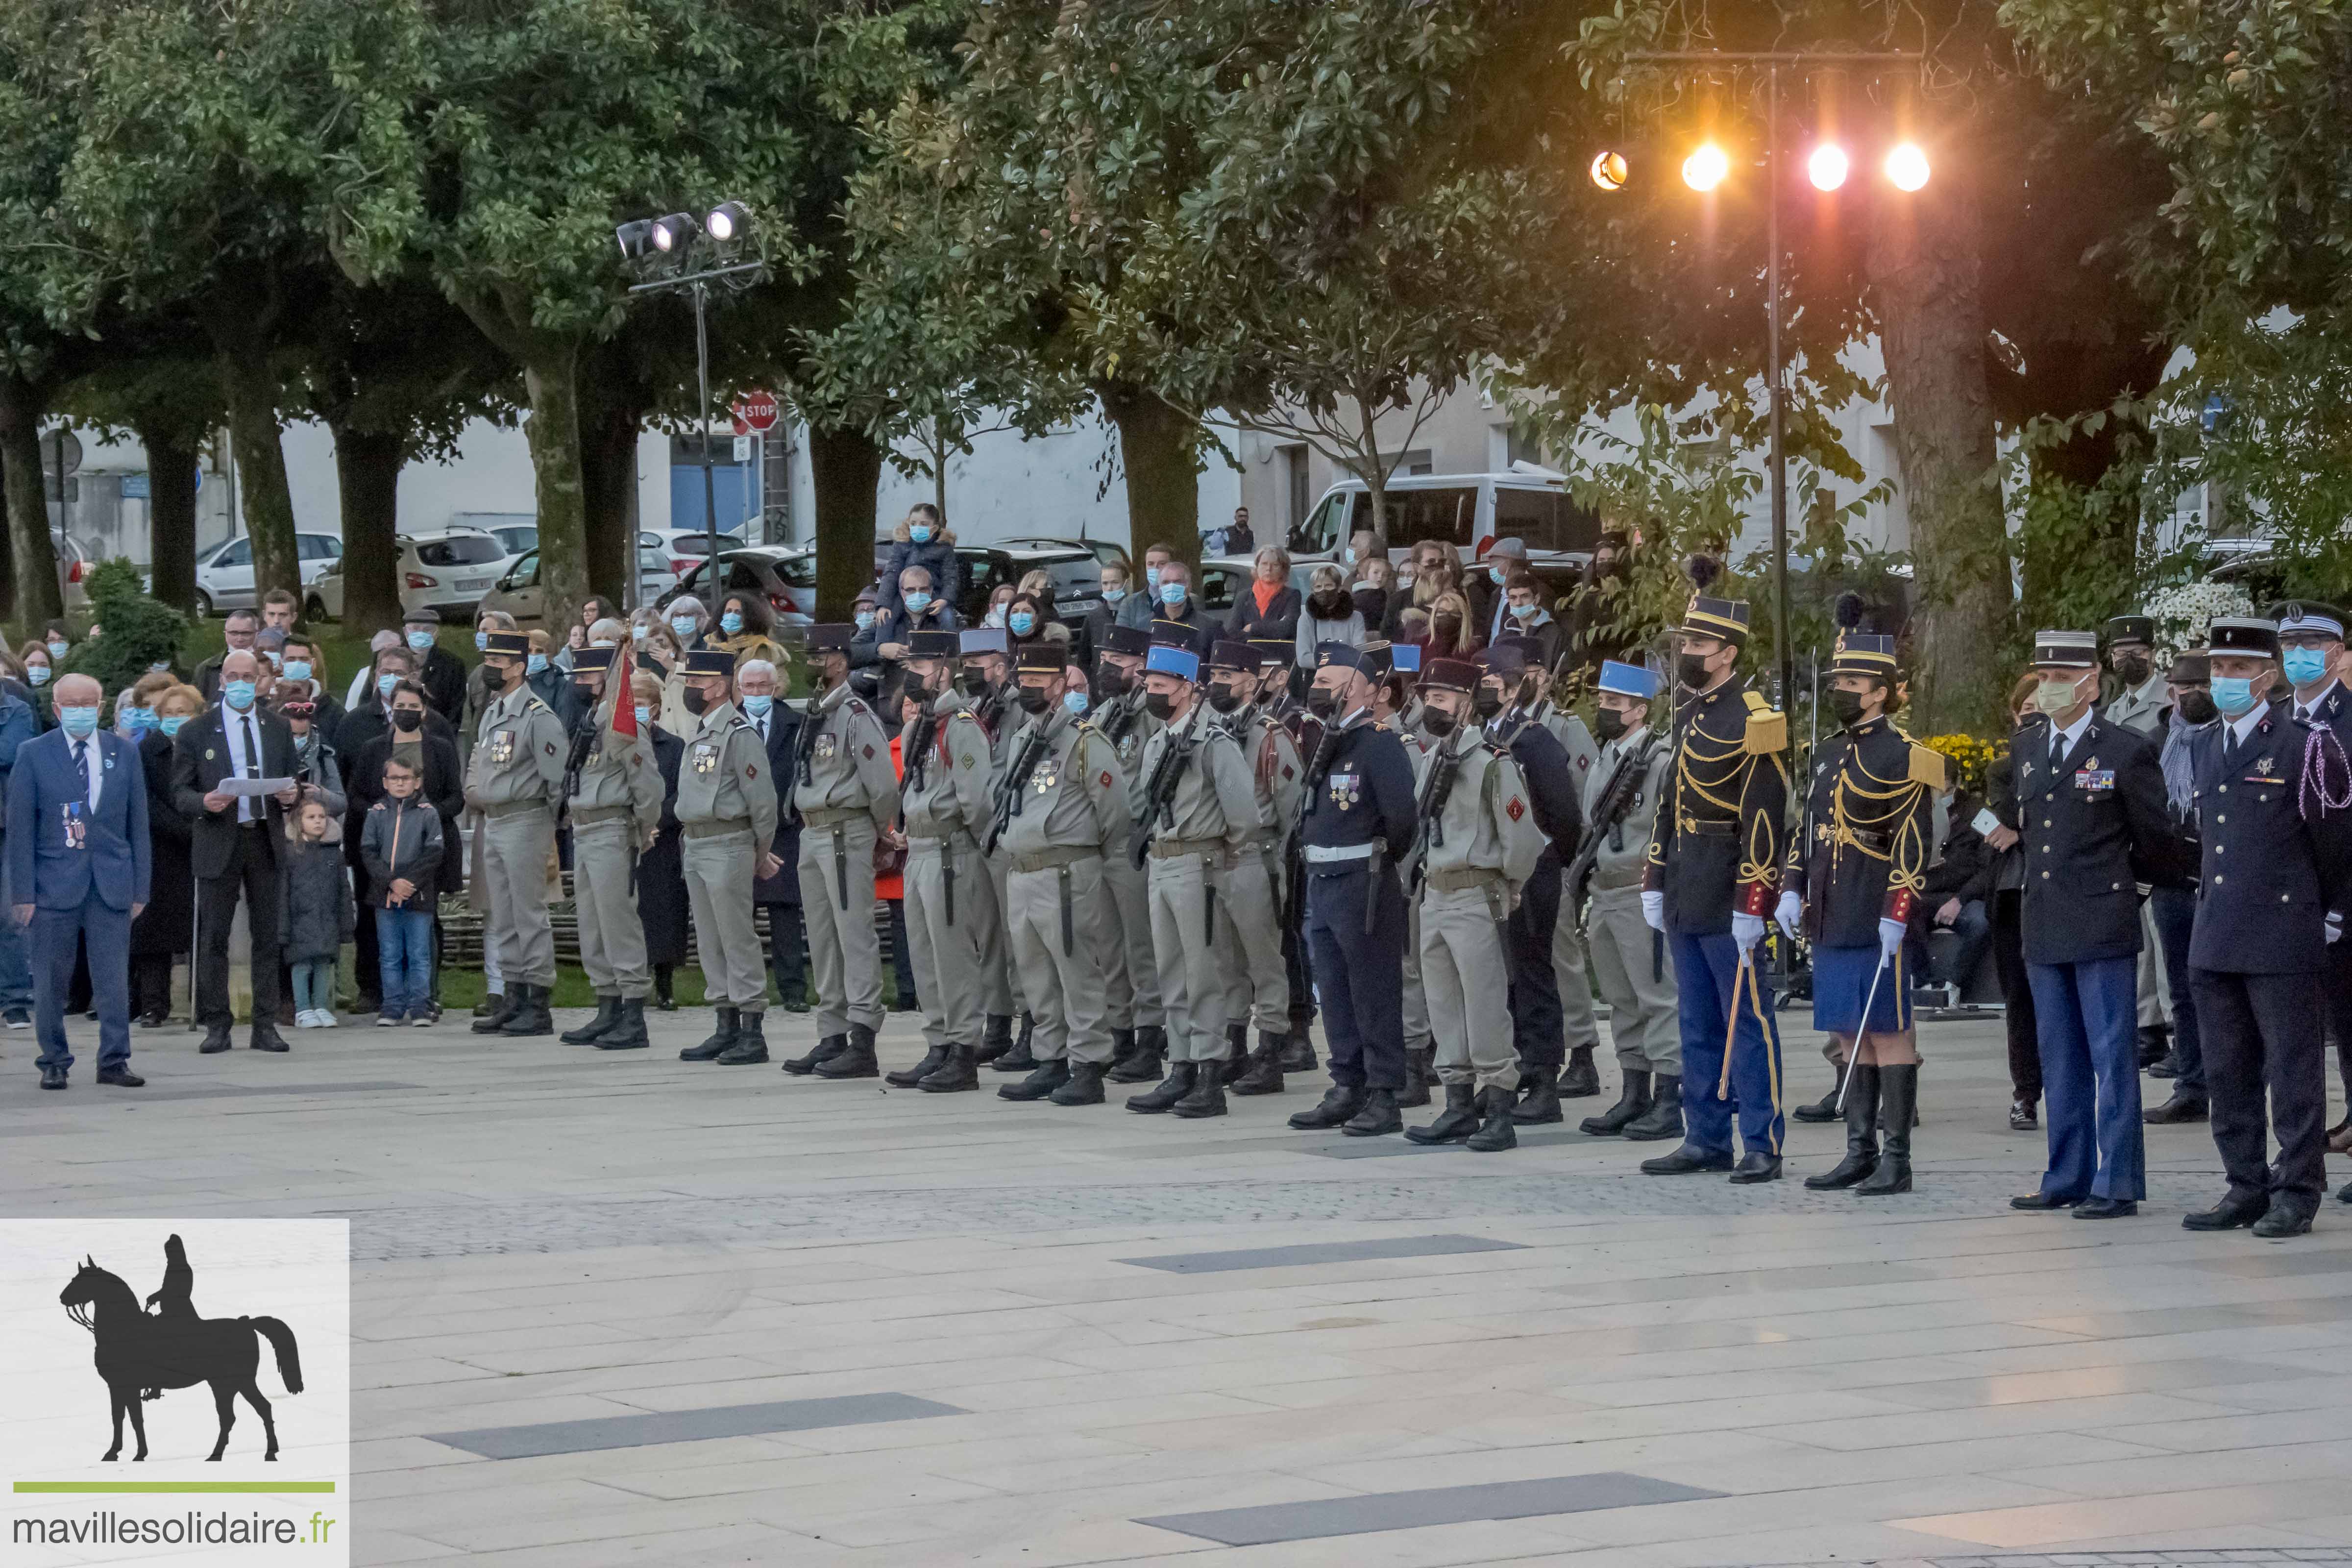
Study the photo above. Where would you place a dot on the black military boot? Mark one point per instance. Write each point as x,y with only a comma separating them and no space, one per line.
1084,1086
1339,1104
1377,1115
1122,1045
995,1039
1538,1098
1456,1122
1298,1049
1207,1096
1686,1161
1861,1134
1633,1098
1579,1079
908,1077
1663,1118
855,1060
1755,1166
1416,1081
1495,1133
608,1014
1264,1074
530,1016
751,1047
1143,1063
1043,1080
1018,1059
2155,1044
711,1049
495,1009
825,1050
1166,1093
1236,1060
1826,1108
958,1073
629,1034
1900,1085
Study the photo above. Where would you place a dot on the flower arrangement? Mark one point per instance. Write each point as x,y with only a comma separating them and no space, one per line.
1969,757
2184,612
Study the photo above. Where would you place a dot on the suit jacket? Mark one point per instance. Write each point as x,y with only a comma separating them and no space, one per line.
2270,873
784,737
443,680
200,760
114,862
2091,832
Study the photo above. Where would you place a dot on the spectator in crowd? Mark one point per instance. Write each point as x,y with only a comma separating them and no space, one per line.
759,697
1239,538
1330,615
688,619
891,875
1267,610
57,637
918,608
582,630
1952,897
661,873
1449,634
1139,607
1177,606
1038,583
1116,591
165,929
317,769
747,631
304,660
239,630
134,708
1524,610
38,671
1434,571
441,673
316,897
237,843
663,656
999,602
403,849
279,610
370,718
1598,604
547,683
424,738
362,684
481,685
1026,620
2018,1021
922,540
18,725
1506,558
1362,545
1374,584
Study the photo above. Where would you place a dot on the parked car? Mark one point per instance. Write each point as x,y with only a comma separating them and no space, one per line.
517,591
448,571
683,547
74,561
785,574
1073,565
224,575
1105,552
1467,511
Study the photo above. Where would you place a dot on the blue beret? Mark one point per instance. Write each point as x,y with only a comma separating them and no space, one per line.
1628,680
1166,658
1347,657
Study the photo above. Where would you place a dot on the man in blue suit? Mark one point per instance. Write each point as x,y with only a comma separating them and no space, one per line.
77,842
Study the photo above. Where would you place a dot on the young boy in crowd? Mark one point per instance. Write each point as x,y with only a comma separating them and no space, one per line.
400,847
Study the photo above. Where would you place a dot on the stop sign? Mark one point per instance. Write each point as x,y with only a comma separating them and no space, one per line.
755,411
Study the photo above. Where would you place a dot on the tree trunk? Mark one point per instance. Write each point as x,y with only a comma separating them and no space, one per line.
608,469
845,467
172,516
38,599
367,481
551,380
1159,449
250,388
1923,277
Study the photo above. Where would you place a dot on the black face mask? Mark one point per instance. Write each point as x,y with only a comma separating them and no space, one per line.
1691,670
407,720
1845,707
1331,605
695,701
1224,699
915,690
1322,701
2133,669
1486,702
1159,705
1437,721
1608,724
2197,708
1111,680
1446,626
974,684
1033,699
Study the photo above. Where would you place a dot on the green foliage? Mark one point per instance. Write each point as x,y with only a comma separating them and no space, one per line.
137,632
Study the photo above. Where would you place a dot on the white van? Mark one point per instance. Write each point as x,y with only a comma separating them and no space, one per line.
1468,512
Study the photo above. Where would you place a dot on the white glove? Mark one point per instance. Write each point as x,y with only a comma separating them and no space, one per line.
1890,939
2334,927
1747,931
1792,911
1654,910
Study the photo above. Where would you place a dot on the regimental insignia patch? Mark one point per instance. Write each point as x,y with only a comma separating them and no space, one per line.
1104,779
2263,765
1517,809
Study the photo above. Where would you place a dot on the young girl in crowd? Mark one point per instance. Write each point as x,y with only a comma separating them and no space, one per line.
317,900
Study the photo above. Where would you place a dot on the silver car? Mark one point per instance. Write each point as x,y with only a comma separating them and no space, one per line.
448,571
224,575
517,592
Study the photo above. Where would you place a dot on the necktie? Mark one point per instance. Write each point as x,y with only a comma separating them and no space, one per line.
81,761
2057,749
253,765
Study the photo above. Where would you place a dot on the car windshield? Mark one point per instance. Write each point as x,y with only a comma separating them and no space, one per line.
460,549
652,561
1545,519
798,570
516,540
1080,579
699,544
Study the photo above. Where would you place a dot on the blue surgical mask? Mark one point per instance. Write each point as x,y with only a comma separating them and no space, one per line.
421,641
239,694
1172,594
995,617
38,673
918,601
383,685
865,619
730,623
138,718
684,626
56,649
639,632
1524,611
2233,695
79,722
172,726
644,719
1021,623
1076,701
758,706
1113,596
481,642
1497,574
2304,666
1152,576
920,534
297,669
533,663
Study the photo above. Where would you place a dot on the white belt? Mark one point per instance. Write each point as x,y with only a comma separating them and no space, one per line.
1324,853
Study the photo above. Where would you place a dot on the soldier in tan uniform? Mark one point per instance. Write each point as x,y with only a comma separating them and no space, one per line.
944,801
1478,844
1136,1010
727,827
1067,803
616,803
1198,803
845,793
514,784
985,680
1249,927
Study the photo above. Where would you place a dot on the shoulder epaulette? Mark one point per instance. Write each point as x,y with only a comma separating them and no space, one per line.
1767,728
1927,766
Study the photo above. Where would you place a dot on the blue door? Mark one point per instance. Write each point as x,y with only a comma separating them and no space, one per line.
731,484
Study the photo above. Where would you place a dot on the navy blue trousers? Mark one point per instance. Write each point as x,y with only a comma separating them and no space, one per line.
2088,1015
58,936
1707,971
2175,910
1359,974
1538,1029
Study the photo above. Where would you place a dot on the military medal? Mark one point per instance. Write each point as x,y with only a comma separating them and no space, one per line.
502,748
76,831
1347,789
826,745
706,758
1046,774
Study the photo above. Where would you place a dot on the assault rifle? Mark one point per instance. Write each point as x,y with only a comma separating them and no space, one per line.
1160,794
1609,811
1429,809
1015,779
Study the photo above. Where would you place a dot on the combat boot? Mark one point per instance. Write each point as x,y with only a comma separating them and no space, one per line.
908,1077
1298,1049
1339,1104
1495,1134
1122,1046
1167,1092
1084,1086
1579,1079
711,1049
1861,1134
1538,1099
495,1009
608,1015
629,1034
1377,1115
1900,1085
1456,1122
1826,1108
1043,1080
825,1050
1143,1063
531,1016
1018,1059
1264,1074
995,1039
1663,1118
1633,1098
958,1073
1206,1097
1416,1076
856,1059
751,1047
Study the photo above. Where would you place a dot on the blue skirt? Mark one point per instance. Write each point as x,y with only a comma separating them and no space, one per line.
1842,977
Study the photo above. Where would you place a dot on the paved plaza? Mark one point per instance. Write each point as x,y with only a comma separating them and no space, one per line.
613,1308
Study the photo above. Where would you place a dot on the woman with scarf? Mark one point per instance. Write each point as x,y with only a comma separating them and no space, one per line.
1267,610
1330,615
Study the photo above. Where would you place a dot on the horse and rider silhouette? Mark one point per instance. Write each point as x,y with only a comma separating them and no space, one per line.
139,1354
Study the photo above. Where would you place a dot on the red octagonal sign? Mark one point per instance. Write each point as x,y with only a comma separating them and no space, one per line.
755,411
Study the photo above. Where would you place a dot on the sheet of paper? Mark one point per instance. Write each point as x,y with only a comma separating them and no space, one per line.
1985,822
255,786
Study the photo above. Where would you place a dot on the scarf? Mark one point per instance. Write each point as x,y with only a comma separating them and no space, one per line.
1266,593
2180,773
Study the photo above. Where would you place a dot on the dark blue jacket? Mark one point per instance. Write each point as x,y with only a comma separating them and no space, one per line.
784,737
2093,826
2271,873
1359,790
938,557
112,863
893,624
1551,788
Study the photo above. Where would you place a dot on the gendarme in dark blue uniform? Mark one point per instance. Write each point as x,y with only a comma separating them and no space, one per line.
1358,823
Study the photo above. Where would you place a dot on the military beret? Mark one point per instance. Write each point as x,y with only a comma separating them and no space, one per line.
1503,658
1344,655
1376,663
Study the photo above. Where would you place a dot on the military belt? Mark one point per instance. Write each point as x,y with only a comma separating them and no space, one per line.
1460,878
1709,829
831,815
1878,841
1610,881
1052,860
716,829
512,808
1179,848
1327,854
590,815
